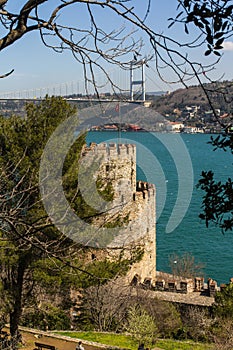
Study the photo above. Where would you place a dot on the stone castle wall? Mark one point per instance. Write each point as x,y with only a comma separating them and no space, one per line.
117,164
132,200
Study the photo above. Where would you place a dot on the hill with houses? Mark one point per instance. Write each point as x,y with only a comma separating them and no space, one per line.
189,109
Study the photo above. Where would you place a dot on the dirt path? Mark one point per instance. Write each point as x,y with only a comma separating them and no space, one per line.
29,340
30,337
60,344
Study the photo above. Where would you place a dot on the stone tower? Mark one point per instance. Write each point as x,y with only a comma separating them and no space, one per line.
132,201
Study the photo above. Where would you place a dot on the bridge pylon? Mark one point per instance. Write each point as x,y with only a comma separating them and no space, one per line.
137,82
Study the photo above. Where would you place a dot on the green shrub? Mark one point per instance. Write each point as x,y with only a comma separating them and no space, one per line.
49,317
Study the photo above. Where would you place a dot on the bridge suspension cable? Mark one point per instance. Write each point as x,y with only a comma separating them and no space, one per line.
83,88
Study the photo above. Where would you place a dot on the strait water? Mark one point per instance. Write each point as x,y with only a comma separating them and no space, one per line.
168,161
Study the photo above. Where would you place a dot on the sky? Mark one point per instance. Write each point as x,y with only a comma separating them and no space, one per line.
38,69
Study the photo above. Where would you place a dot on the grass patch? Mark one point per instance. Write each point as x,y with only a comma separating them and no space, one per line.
168,344
126,342
120,340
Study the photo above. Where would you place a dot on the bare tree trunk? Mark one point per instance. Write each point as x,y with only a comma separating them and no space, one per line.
17,289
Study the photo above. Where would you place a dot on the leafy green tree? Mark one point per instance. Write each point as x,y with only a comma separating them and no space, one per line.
24,223
212,18
166,317
46,317
141,326
218,199
28,238
222,329
25,228
223,305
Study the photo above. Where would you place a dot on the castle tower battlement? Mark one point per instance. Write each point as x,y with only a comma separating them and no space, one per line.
117,164
111,149
132,199
146,195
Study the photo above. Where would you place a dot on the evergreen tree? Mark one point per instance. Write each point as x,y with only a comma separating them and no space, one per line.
32,250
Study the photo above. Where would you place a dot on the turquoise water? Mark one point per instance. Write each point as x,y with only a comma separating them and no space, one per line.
168,161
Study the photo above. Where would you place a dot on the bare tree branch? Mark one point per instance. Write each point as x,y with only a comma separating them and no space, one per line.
96,48
6,75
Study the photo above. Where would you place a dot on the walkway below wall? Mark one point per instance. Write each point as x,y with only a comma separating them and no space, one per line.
30,336
194,298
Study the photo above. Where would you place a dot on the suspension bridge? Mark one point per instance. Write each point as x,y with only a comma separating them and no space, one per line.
83,90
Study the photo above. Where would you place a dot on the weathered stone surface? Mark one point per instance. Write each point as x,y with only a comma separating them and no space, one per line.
133,201
194,298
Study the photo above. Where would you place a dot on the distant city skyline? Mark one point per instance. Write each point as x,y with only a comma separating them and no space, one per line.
38,67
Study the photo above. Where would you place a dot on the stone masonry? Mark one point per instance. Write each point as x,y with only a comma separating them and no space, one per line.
133,202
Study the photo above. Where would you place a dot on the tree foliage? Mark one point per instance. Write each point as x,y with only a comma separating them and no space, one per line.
26,232
212,18
197,323
222,334
47,317
218,199
222,327
34,254
27,235
165,315
141,326
223,305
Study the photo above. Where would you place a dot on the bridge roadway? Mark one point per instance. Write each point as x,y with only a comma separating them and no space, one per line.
73,99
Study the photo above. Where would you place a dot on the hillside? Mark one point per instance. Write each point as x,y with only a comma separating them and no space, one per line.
194,95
